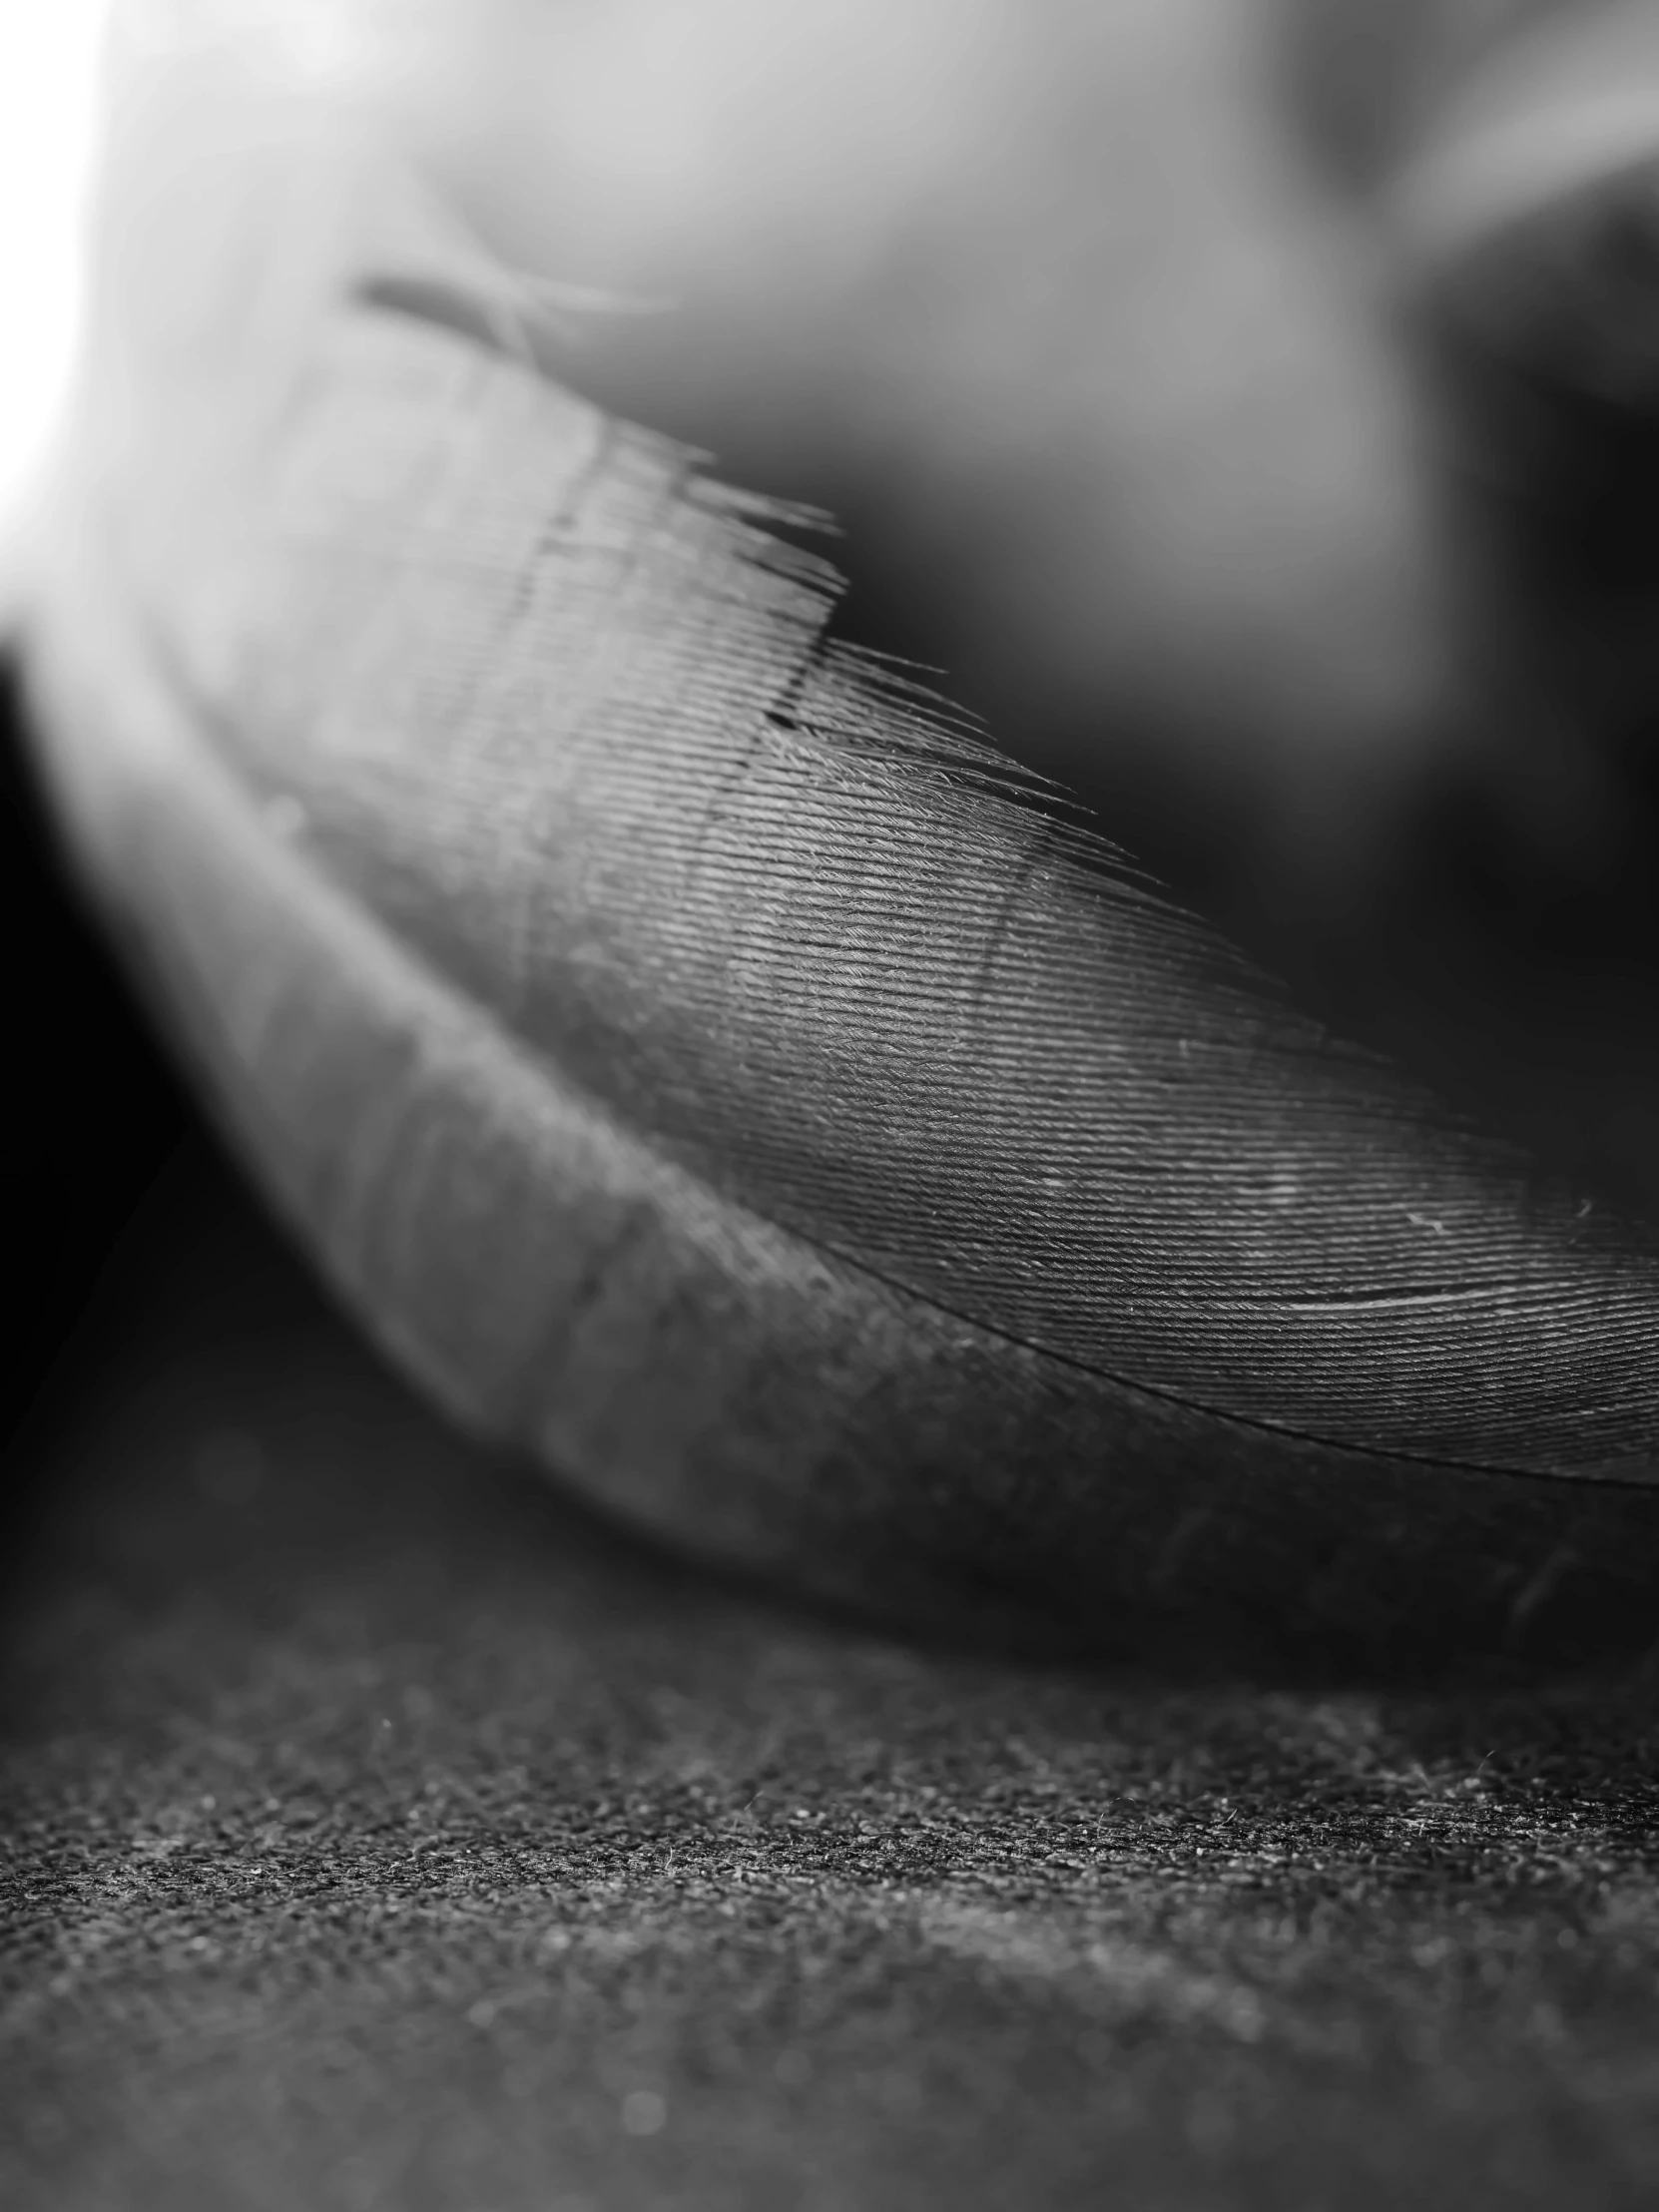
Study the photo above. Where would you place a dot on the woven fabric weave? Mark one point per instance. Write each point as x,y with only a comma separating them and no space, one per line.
378,1832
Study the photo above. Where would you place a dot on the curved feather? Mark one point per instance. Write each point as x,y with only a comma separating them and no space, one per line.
703,1065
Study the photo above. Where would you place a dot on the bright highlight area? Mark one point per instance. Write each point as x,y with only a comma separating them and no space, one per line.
47,65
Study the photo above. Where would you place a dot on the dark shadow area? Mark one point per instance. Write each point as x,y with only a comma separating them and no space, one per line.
94,1111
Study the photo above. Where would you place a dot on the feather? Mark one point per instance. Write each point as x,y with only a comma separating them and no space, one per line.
707,1067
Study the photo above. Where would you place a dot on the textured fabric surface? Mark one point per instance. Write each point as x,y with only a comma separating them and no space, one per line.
380,1832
